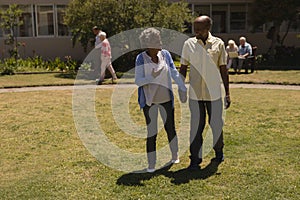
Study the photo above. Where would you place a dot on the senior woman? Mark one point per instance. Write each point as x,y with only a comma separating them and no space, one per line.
154,69
232,51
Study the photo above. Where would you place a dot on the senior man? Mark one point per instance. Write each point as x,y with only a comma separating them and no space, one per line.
207,58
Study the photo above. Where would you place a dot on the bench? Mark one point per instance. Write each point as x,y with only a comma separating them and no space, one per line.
251,61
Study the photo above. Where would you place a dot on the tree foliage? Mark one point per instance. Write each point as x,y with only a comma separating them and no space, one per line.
10,20
264,11
115,16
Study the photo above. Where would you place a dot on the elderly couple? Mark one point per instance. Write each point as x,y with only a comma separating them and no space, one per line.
154,69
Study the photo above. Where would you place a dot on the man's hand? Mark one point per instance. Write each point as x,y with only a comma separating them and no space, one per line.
227,101
182,96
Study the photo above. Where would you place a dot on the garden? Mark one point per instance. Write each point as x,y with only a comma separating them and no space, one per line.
42,156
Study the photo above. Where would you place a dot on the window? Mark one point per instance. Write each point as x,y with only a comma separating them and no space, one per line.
238,21
294,26
238,18
219,16
45,20
3,32
39,20
61,27
202,10
26,29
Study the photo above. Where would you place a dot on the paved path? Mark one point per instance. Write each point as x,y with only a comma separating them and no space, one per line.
256,86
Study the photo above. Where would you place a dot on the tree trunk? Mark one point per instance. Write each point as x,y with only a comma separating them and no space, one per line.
286,32
274,43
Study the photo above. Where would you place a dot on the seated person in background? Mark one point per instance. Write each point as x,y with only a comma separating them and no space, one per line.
245,50
232,51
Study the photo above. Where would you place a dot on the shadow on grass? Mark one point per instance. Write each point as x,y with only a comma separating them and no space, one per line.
66,75
242,72
185,176
182,176
137,178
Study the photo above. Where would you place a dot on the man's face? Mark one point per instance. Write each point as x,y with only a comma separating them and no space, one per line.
242,42
201,30
95,31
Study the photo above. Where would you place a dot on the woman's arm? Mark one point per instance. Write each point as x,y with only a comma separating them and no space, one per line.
174,73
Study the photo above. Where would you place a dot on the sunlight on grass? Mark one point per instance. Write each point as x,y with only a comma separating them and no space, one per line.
42,156
261,76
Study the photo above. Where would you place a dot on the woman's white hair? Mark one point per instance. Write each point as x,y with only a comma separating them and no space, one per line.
150,38
231,42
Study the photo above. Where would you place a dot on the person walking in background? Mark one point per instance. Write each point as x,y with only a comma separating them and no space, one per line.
245,50
105,58
95,55
96,32
154,69
207,58
232,51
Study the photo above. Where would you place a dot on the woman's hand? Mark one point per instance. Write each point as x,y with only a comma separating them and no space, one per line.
182,96
156,73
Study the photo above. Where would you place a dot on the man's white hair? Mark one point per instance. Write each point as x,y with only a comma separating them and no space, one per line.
243,38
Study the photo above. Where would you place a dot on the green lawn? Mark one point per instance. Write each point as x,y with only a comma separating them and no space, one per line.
36,80
268,76
42,157
261,76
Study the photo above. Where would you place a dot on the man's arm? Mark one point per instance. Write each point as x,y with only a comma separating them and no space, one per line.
225,78
183,94
249,51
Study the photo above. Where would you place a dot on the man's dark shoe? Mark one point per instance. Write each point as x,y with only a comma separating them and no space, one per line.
194,165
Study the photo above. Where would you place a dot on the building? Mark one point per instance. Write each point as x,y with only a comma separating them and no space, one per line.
231,19
43,32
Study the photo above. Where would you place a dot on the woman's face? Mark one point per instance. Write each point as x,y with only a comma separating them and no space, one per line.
153,51
155,44
102,37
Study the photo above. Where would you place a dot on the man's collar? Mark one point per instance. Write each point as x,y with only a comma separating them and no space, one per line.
208,40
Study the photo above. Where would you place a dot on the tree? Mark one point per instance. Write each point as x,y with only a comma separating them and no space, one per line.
116,16
264,11
10,20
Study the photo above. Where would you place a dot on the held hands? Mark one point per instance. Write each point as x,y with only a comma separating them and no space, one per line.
182,96
227,101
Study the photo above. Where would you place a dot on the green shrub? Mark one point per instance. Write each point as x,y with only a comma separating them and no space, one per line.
10,65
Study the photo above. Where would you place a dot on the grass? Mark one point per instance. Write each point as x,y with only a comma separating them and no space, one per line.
262,76
42,157
268,77
47,79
